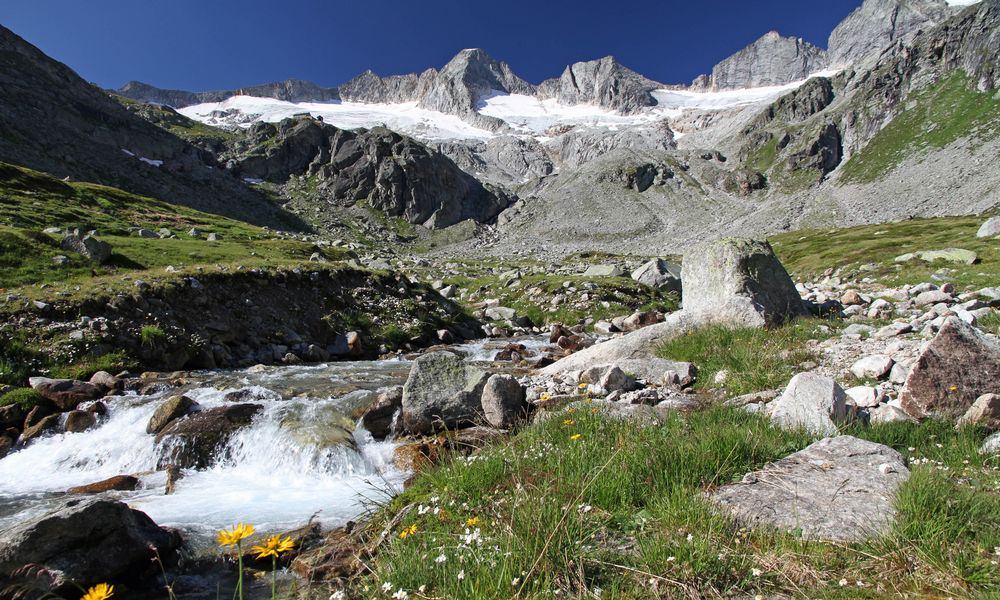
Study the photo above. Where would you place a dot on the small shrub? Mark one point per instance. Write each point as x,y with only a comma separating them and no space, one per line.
26,397
151,335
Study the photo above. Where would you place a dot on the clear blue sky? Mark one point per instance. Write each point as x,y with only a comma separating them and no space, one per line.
222,44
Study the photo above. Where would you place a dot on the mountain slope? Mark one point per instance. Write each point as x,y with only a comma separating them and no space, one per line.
771,60
55,122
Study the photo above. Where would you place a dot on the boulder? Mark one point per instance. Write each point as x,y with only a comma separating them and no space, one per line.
172,408
839,488
659,274
991,445
503,401
931,297
958,366
956,255
738,282
813,402
79,420
84,541
194,442
66,394
863,396
990,228
874,367
501,313
42,426
89,247
380,417
889,413
335,558
119,483
441,391
985,411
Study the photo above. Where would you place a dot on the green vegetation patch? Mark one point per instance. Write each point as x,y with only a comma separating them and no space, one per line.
581,506
27,398
870,250
933,117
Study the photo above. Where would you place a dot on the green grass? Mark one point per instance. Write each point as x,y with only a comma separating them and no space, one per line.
26,397
933,117
84,367
151,335
808,254
754,359
621,510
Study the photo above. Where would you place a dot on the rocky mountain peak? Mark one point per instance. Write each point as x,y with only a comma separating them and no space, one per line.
877,24
773,59
603,82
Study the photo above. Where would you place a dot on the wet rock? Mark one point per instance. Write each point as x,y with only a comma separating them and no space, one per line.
120,483
66,394
42,426
85,541
79,420
738,282
840,489
417,456
503,401
378,419
441,391
337,557
172,408
812,402
958,366
194,442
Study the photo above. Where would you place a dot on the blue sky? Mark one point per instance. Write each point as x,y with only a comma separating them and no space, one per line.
222,44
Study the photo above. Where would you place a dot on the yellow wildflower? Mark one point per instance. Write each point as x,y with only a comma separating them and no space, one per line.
101,591
575,437
568,422
545,397
240,532
953,388
582,386
273,547
472,522
407,532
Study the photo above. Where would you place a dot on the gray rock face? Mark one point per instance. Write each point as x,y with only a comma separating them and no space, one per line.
877,24
290,90
812,402
380,416
840,488
442,392
738,282
89,247
771,60
503,401
604,82
989,228
85,541
469,76
958,366
659,274
395,174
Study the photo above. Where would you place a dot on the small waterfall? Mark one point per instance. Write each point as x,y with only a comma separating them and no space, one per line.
299,457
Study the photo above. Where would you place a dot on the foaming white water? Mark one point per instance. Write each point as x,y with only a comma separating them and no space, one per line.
299,458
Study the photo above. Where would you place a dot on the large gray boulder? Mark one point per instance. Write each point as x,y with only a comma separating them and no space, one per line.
66,394
503,401
441,391
85,541
88,246
989,228
840,489
659,274
812,402
958,366
740,283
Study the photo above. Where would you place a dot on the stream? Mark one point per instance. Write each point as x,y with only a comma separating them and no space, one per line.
293,462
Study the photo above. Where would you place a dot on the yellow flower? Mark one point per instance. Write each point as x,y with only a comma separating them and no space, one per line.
575,437
582,386
407,532
472,522
545,397
240,531
101,591
568,422
953,388
273,547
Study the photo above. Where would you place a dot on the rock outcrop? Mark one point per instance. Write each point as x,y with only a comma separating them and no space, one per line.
877,24
812,402
194,442
840,489
603,82
771,60
442,392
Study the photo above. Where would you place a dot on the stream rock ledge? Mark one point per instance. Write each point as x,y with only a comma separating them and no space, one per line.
840,488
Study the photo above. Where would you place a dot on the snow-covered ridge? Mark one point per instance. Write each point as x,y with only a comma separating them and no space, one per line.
526,115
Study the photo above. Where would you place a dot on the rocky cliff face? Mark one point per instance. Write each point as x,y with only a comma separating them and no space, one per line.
771,60
603,82
290,90
878,24
56,122
393,173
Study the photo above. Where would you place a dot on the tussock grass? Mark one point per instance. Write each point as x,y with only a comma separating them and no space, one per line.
753,359
620,513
